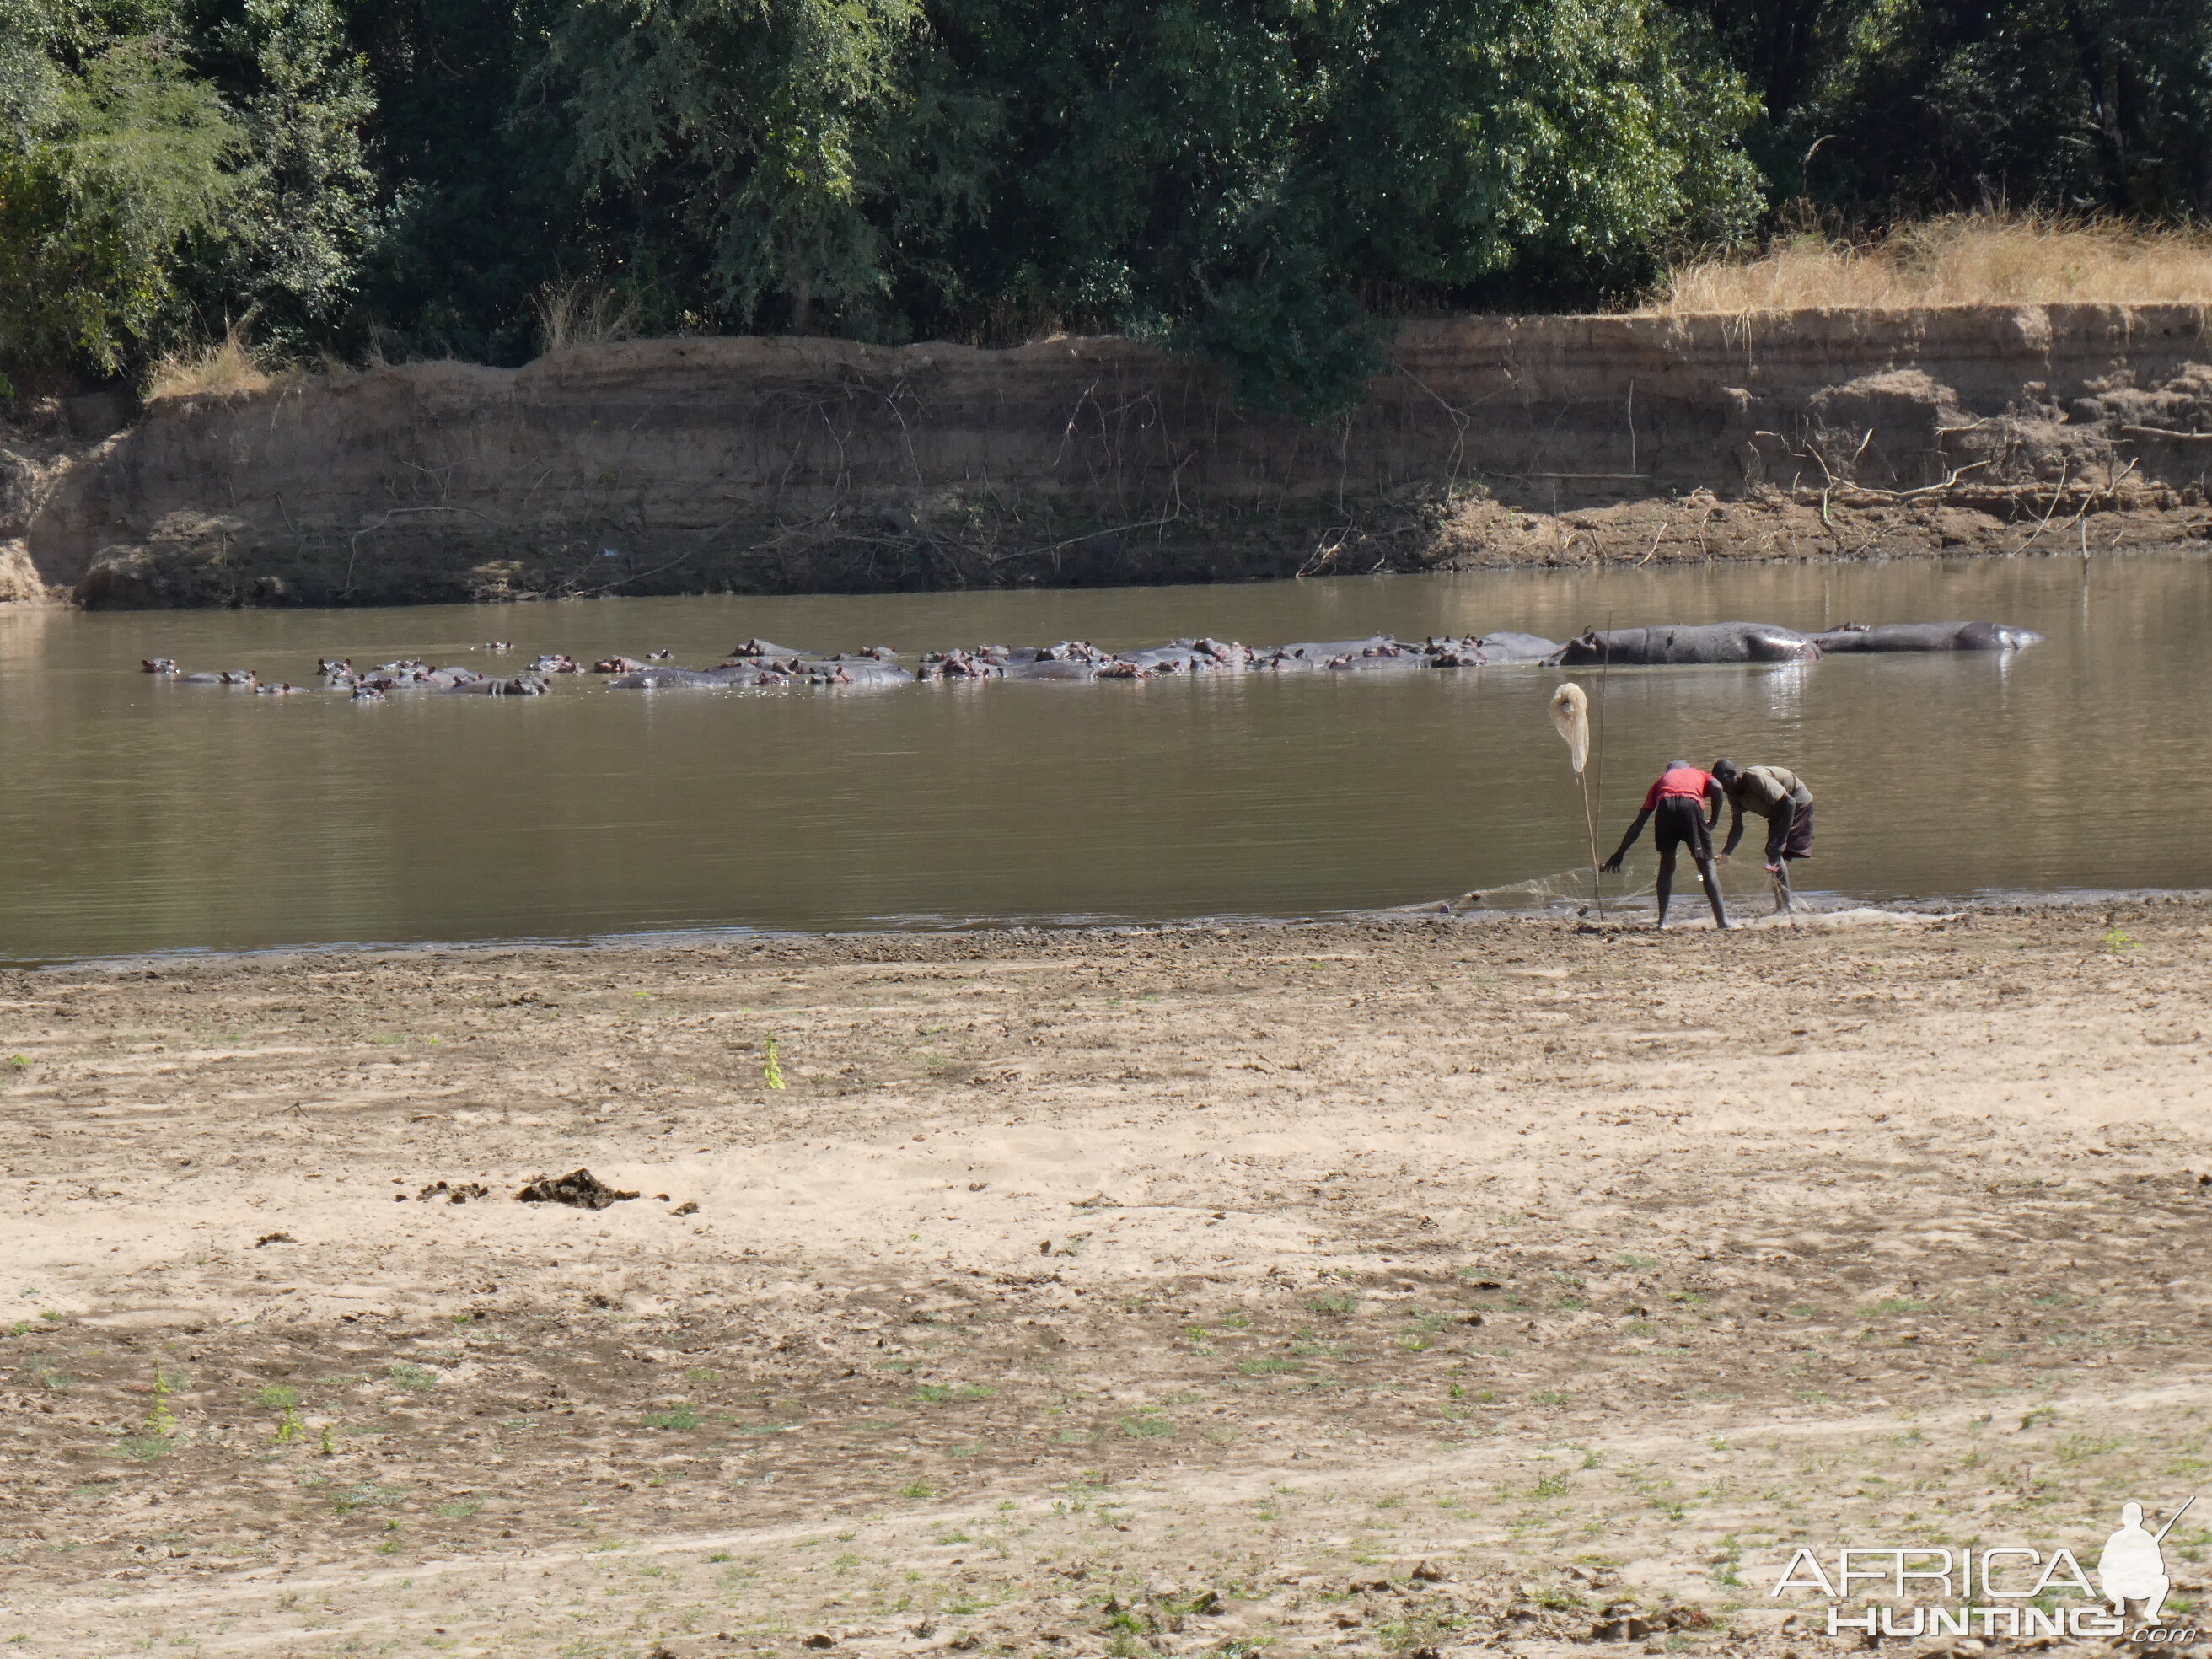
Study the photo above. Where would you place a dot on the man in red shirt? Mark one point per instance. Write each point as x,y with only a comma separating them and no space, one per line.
1688,805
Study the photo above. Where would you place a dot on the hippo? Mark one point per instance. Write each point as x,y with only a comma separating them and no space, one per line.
366,694
1177,658
1928,636
1313,654
1509,646
1202,656
1396,659
446,679
1053,668
671,679
555,662
659,656
960,665
164,665
859,671
522,685
762,649
1703,642
281,689
334,668
616,666
497,648
245,677
1075,651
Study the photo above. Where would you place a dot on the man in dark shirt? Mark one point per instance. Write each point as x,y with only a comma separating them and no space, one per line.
1780,797
1686,804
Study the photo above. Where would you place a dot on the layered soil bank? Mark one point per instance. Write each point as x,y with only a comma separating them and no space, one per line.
787,466
1377,1290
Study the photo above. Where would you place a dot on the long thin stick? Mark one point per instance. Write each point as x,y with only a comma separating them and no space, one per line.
1597,744
2176,1516
1589,828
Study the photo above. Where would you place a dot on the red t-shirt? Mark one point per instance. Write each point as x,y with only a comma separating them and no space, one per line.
1682,781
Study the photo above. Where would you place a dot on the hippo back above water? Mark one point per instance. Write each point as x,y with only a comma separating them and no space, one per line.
1704,642
1928,636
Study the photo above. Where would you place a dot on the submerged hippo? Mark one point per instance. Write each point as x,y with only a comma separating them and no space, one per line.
522,685
762,649
1053,668
158,666
1704,642
671,679
616,666
245,677
1509,646
859,671
1928,636
961,666
1319,654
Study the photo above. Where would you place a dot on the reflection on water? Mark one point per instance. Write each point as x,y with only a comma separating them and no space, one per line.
139,814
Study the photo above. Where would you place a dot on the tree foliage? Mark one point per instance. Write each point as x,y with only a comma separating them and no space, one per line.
112,155
1269,183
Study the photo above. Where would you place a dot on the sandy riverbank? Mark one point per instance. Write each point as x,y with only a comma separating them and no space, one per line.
1073,1276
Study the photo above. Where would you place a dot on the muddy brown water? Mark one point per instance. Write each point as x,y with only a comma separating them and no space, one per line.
141,815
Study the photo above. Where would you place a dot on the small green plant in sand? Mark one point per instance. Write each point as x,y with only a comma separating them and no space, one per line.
285,1401
772,1068
2119,943
1149,1424
682,1417
161,1421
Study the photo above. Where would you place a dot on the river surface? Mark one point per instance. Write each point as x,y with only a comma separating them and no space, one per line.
139,815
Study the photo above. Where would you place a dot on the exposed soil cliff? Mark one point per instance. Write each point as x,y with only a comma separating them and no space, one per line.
787,465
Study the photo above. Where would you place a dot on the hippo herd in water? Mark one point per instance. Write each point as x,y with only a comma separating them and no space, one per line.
759,664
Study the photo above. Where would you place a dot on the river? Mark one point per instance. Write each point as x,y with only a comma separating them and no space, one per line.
139,815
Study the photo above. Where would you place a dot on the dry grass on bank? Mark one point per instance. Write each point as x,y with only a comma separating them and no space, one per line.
1980,258
226,368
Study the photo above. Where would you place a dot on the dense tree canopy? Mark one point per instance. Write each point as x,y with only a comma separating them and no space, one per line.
1268,182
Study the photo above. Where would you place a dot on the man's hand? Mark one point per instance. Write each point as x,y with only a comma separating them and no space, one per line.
1612,866
1773,869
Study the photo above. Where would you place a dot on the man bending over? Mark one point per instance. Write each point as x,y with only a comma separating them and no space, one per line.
1686,804
1780,797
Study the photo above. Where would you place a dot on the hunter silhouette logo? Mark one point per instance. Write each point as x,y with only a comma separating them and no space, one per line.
2005,1589
2133,1566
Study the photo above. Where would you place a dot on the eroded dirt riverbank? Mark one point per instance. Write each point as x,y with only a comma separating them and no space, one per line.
1365,1288
776,467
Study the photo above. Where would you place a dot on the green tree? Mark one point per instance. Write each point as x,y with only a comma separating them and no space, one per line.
303,205
1264,181
747,127
1898,108
113,156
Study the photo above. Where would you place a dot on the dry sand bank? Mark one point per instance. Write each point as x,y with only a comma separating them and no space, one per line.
1359,1288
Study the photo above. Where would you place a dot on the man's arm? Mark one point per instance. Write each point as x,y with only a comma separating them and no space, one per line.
1714,797
1612,866
1736,829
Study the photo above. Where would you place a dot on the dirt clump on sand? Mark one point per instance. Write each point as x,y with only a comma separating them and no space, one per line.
1386,1289
579,1188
